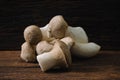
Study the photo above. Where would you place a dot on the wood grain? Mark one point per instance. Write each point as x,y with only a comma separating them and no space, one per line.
100,19
105,66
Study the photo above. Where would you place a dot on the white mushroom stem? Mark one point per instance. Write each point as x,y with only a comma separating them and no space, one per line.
85,49
81,48
46,61
45,32
77,34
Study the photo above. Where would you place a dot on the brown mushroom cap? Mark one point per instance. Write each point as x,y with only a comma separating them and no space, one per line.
43,46
28,52
58,27
32,34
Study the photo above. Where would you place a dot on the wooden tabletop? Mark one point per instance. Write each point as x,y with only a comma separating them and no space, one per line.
104,66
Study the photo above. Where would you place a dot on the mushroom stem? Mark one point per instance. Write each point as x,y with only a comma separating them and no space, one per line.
77,34
85,49
46,61
45,32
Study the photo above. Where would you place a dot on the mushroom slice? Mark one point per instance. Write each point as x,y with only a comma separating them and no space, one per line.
46,34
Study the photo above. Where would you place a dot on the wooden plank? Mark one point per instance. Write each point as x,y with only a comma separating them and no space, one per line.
105,66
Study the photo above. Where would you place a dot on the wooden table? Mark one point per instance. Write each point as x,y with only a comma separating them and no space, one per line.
105,66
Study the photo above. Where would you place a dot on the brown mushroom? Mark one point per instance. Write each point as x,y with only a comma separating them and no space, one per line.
32,34
59,56
58,27
28,52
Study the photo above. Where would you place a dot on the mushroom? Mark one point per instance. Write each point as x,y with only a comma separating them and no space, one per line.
58,27
43,46
59,56
28,52
85,49
32,34
82,47
45,32
77,34
68,41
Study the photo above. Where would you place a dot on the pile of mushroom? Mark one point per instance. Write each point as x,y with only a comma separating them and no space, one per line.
53,45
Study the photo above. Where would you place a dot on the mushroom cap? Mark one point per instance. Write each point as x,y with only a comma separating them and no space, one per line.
58,27
28,52
78,34
32,34
58,57
43,46
65,52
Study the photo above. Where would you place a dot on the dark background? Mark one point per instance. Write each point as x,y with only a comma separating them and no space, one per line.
99,18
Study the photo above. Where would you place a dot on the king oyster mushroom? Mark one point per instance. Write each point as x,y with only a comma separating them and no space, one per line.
43,46
58,27
81,48
32,34
59,56
28,52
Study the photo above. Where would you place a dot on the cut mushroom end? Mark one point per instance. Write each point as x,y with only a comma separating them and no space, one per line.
46,61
